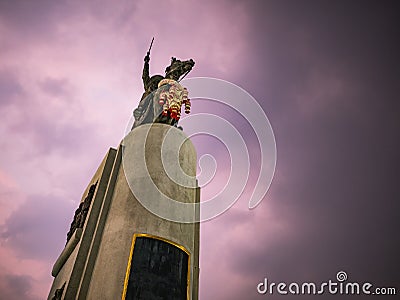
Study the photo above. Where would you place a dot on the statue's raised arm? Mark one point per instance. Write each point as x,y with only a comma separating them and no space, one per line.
146,68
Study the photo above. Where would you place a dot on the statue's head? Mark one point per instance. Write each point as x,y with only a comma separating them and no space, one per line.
153,83
177,68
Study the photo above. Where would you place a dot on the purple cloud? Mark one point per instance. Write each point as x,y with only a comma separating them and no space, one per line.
27,229
14,287
325,74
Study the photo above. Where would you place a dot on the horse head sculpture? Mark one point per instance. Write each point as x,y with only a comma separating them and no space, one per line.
178,68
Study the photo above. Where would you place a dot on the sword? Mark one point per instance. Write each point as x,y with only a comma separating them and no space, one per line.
151,44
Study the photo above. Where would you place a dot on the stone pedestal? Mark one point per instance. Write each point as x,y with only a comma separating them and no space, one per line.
98,261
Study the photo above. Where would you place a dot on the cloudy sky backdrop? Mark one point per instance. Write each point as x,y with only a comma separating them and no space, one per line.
326,73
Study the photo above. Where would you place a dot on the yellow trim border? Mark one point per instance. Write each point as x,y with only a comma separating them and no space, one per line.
128,269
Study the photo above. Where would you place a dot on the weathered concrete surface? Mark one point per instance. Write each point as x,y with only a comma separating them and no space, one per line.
127,216
73,266
66,253
94,266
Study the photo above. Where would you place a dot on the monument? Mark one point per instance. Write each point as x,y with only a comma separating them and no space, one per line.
155,105
115,247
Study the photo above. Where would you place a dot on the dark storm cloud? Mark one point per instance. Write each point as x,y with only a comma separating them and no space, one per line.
32,231
328,78
48,135
10,87
326,73
16,287
55,86
35,19
37,115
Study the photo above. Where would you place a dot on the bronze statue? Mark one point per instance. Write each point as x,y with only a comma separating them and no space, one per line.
151,109
81,212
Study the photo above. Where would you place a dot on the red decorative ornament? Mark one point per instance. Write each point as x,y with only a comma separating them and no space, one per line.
173,99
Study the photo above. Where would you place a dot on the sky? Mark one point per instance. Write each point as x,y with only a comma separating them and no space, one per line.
326,74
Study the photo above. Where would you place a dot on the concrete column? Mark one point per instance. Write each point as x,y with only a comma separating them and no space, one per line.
126,216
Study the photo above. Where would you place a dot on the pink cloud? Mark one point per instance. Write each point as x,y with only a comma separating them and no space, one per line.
70,77
77,79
